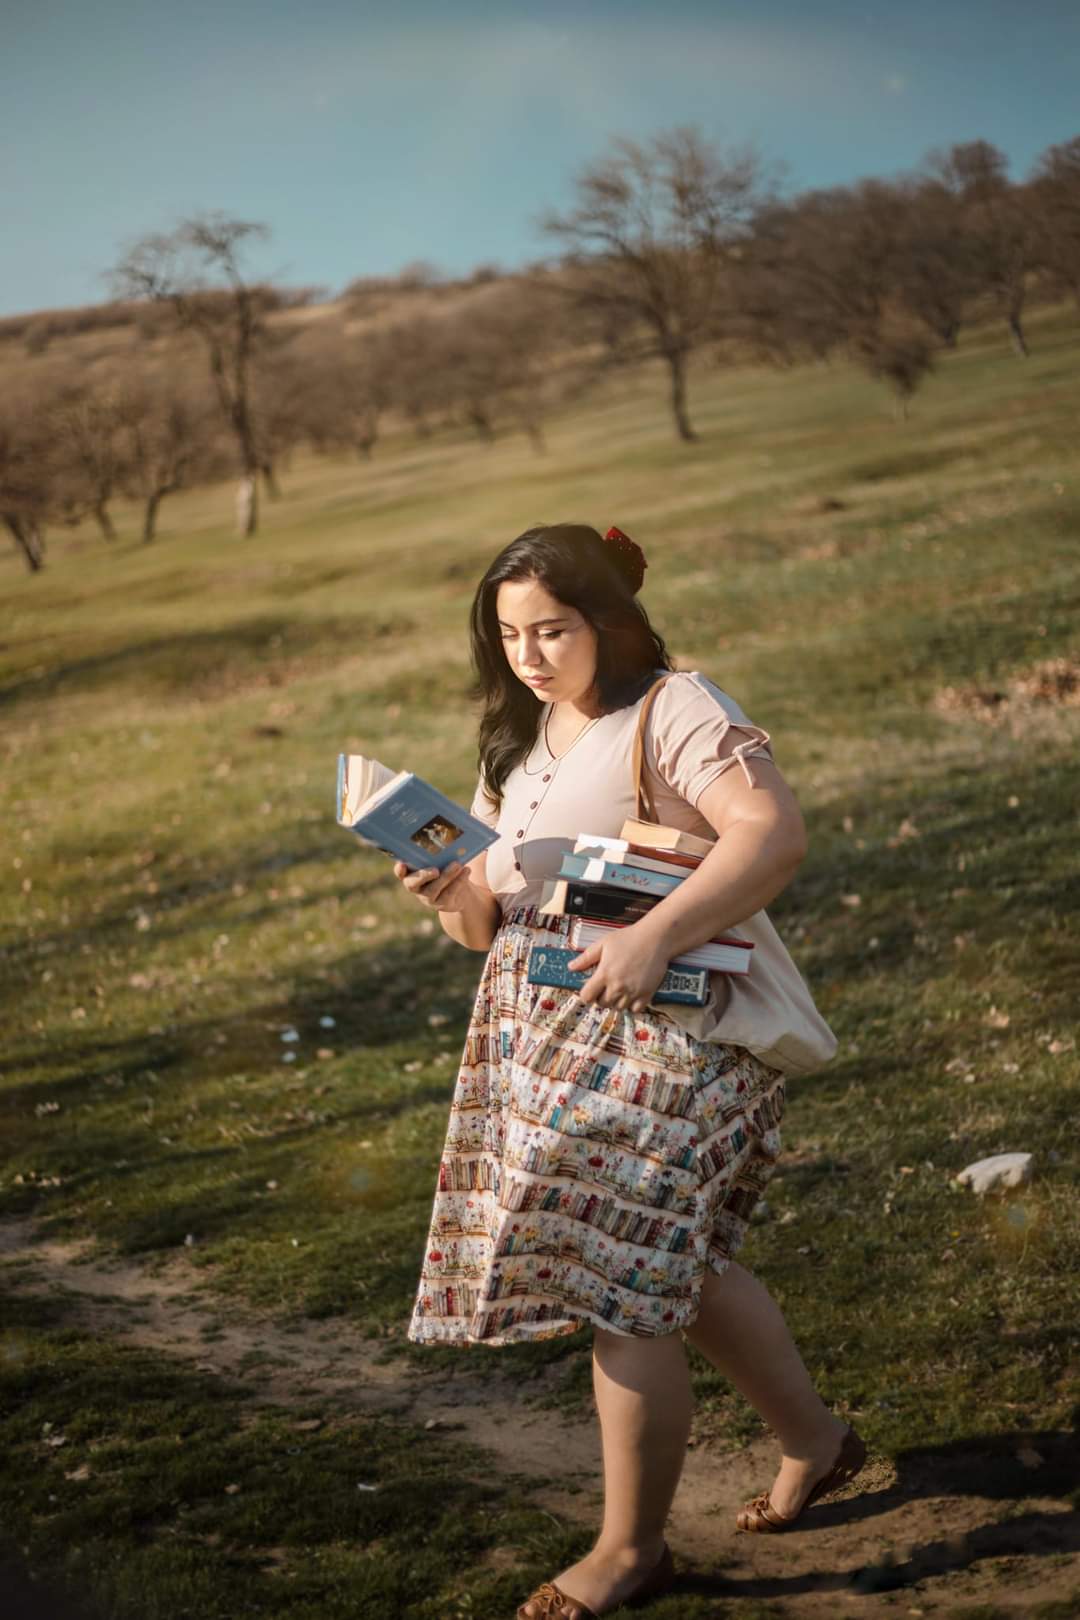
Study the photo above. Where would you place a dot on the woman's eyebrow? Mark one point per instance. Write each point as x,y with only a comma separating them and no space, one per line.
535,622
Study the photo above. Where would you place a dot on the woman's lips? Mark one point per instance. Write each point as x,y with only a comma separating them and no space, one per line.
543,680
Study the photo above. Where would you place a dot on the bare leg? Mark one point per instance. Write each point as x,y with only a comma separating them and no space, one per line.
741,1330
643,1396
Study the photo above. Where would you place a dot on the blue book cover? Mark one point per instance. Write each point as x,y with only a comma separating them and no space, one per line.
547,965
401,814
604,869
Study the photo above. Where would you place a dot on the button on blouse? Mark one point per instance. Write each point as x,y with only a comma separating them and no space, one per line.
696,733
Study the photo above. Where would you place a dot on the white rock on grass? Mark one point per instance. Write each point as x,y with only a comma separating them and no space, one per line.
1001,1170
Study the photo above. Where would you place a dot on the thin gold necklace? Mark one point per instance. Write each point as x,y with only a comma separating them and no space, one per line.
548,765
555,757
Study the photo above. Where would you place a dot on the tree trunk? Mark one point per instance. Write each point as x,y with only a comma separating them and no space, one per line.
1016,332
249,457
150,518
29,539
676,359
367,433
105,522
536,434
247,505
273,489
481,422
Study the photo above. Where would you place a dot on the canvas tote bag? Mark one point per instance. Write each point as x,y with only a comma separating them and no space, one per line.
769,1010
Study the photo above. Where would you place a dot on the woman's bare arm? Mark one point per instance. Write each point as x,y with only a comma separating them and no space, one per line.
761,842
476,923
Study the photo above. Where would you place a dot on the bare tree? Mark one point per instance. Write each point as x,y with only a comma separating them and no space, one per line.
171,440
1054,187
510,356
938,271
786,305
412,361
88,420
829,271
996,218
28,476
898,351
341,386
196,269
831,258
278,397
649,241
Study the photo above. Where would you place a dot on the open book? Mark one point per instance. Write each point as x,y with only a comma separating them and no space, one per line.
401,814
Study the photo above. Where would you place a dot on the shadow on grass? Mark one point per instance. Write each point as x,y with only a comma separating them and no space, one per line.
1017,862
378,996
197,663
178,905
992,1467
29,1596
155,1489
293,1126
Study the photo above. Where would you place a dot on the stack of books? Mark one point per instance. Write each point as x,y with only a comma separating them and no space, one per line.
608,883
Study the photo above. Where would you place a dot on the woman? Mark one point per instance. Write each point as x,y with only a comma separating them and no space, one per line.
601,1163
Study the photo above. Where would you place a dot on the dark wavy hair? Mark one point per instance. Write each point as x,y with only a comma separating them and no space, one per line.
581,570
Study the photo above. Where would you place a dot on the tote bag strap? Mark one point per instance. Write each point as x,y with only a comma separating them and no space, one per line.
644,804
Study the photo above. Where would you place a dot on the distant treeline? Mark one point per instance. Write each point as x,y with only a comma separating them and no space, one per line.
671,248
44,326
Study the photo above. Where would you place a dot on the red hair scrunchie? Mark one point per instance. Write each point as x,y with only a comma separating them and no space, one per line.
632,559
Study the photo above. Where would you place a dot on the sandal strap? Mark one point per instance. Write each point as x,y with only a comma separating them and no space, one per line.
552,1600
552,1603
847,1465
761,1514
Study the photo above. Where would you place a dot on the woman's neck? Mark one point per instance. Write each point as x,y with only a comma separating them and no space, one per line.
577,709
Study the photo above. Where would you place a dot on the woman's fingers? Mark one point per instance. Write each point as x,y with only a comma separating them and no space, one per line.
428,883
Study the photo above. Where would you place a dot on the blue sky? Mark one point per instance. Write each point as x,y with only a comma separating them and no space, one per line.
367,135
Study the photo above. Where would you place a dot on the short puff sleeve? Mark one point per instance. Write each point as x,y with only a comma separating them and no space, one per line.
482,807
695,732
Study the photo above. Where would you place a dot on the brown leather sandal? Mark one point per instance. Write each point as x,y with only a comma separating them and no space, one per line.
759,1515
552,1603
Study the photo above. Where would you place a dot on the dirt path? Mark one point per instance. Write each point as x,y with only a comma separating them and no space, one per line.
968,1525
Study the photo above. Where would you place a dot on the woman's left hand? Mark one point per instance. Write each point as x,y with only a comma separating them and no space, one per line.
624,970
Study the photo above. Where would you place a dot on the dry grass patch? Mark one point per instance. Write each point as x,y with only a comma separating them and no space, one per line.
1049,683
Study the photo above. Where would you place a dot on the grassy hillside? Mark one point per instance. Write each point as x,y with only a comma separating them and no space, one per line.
179,896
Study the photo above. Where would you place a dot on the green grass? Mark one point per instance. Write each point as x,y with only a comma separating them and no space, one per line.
168,1495
179,895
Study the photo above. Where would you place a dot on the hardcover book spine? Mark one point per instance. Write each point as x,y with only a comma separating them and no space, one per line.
547,965
591,902
618,875
594,900
342,786
713,958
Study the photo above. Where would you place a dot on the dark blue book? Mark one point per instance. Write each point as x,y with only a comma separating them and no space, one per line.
547,965
400,813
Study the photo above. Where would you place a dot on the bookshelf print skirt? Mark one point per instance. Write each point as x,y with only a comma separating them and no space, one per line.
596,1161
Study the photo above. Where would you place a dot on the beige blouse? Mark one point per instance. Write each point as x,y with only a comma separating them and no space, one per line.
693,734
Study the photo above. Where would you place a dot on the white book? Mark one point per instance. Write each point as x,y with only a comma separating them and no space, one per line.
622,849
717,958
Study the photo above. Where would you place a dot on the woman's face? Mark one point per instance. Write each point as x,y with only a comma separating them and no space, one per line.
543,637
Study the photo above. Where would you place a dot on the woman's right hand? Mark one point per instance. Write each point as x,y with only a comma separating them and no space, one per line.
447,890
